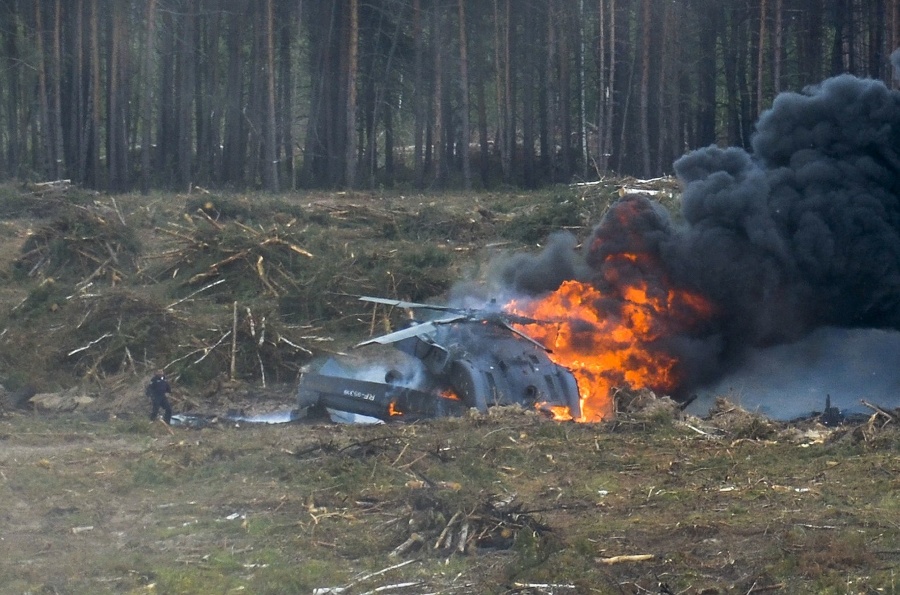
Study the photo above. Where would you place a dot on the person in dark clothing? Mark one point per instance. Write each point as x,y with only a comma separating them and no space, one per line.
157,390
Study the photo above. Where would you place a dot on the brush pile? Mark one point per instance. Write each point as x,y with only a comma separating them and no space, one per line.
208,287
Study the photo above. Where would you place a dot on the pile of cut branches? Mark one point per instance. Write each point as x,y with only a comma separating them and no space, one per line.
82,243
119,331
253,260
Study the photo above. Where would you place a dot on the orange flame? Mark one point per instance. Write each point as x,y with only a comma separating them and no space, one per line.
449,394
392,409
611,341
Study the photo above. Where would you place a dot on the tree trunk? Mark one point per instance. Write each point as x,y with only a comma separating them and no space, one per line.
550,120
147,93
379,90
115,122
186,84
610,87
437,102
352,67
528,91
778,51
509,95
665,112
11,51
93,149
544,67
582,82
645,87
285,94
706,73
79,123
811,60
418,98
499,70
565,96
603,90
46,149
166,131
58,164
761,56
208,97
255,105
464,89
731,57
894,36
840,56
877,59
368,103
270,167
484,163
389,169
234,151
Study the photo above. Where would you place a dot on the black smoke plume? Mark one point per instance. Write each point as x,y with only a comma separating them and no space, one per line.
800,233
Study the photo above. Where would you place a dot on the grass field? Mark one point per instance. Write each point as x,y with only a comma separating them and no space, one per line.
504,503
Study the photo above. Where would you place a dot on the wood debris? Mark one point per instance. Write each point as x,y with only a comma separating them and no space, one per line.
626,558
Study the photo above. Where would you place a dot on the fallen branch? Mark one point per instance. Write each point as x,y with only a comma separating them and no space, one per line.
377,573
213,269
626,558
755,589
262,371
208,350
391,587
439,544
463,538
118,212
183,357
878,409
91,344
86,282
698,430
261,272
414,540
544,586
214,223
189,296
294,345
234,324
53,183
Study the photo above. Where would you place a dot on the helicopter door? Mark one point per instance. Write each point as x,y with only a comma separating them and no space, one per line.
470,384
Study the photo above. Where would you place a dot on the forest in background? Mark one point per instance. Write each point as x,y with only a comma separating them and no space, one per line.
282,94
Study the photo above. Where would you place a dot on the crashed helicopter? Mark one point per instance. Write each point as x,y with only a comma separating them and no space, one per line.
444,365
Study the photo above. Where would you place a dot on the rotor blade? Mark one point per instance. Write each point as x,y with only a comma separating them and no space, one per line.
403,304
517,319
412,331
524,336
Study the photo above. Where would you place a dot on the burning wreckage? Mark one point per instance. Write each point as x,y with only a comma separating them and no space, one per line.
780,280
461,359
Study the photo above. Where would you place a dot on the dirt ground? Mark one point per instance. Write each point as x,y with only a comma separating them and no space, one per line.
504,503
98,499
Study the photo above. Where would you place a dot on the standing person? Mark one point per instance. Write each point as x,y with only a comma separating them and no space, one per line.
157,390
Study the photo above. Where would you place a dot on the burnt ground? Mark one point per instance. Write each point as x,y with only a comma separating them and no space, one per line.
96,498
